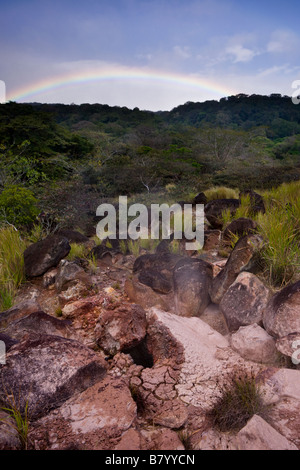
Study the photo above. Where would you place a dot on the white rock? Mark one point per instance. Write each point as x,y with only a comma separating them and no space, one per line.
259,435
255,344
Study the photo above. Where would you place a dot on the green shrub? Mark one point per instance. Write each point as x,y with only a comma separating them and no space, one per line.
18,206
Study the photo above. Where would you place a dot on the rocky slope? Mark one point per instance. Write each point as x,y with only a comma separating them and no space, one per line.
135,355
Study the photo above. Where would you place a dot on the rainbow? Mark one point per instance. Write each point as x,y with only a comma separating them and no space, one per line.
53,83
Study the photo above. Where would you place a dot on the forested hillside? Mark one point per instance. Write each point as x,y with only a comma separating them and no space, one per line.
75,154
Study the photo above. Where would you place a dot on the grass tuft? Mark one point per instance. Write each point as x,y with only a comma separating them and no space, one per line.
12,274
240,400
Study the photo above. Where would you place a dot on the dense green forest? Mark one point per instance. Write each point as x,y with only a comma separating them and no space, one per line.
68,158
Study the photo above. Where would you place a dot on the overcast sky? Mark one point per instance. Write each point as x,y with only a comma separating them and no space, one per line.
153,54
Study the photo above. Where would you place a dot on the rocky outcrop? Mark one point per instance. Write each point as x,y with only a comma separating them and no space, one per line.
147,348
43,255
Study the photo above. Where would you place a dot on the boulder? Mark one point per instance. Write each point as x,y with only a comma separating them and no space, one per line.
192,280
244,301
121,329
145,296
45,254
259,435
190,358
213,211
47,370
71,282
282,314
162,263
95,419
254,344
241,259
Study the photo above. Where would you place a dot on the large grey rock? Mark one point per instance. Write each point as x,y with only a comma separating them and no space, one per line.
45,254
254,344
244,302
192,280
47,370
189,359
282,314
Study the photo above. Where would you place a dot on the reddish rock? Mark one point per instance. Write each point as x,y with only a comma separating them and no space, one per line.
121,328
95,419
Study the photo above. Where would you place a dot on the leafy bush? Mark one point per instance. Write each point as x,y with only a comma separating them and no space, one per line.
18,206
